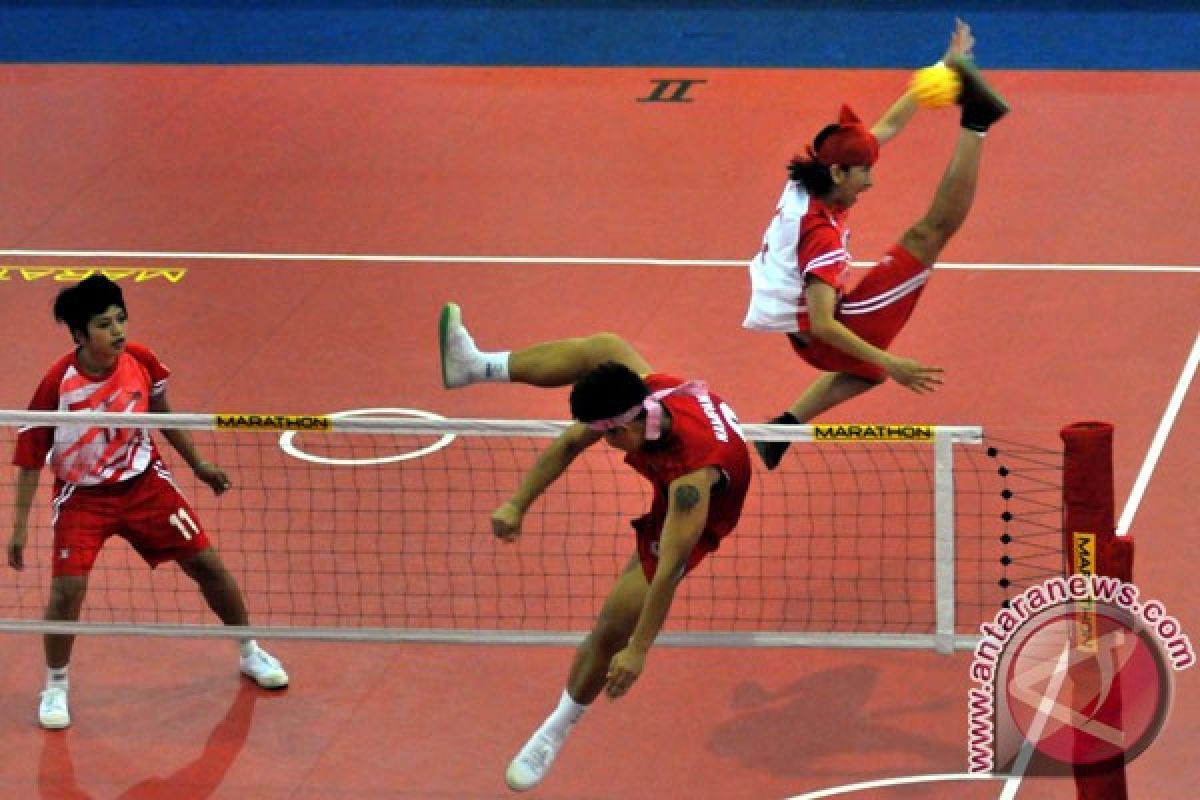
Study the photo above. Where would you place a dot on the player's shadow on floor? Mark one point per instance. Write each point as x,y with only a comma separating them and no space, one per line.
198,779
831,723
56,769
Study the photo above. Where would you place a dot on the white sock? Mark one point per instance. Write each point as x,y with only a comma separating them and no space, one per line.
247,646
563,718
493,367
56,677
481,366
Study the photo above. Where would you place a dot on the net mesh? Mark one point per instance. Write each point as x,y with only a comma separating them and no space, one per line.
350,530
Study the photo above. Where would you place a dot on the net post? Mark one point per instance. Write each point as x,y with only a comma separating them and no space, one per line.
943,531
1092,548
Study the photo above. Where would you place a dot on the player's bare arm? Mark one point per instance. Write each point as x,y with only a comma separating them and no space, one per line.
687,514
27,481
181,440
903,110
553,462
822,303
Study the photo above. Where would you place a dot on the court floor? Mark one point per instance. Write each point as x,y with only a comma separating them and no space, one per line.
290,235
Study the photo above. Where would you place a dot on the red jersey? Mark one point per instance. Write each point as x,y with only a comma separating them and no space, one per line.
806,238
704,433
94,456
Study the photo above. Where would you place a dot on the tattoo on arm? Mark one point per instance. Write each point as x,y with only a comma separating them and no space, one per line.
686,497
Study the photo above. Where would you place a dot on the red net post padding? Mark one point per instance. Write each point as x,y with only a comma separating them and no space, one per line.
1088,501
1093,548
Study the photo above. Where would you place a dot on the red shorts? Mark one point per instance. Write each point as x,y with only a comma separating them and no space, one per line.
875,309
148,511
649,531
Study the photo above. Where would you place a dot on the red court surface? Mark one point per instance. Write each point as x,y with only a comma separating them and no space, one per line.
425,166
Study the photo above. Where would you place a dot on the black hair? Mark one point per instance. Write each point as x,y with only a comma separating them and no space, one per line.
815,177
77,304
606,391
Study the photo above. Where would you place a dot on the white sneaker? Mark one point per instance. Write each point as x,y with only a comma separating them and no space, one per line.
264,669
533,762
460,356
53,712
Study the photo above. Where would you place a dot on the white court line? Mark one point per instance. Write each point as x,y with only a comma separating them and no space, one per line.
644,262
287,440
1013,784
1160,439
904,780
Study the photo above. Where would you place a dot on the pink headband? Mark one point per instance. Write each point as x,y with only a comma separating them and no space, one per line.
652,405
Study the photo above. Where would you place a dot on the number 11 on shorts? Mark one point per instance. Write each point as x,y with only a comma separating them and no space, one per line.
182,521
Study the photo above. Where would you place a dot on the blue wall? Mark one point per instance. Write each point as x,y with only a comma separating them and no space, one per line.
800,33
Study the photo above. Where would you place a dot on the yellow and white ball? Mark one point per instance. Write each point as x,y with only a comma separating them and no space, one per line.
935,87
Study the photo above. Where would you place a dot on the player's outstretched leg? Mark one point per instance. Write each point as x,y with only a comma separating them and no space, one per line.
586,679
982,106
224,597
547,364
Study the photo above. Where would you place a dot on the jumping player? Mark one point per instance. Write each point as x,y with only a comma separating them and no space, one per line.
676,434
799,274
111,481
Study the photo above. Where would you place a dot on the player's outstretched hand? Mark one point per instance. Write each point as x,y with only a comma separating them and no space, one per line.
214,476
506,522
962,43
914,375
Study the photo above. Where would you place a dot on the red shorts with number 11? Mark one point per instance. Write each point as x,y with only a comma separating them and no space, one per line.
148,511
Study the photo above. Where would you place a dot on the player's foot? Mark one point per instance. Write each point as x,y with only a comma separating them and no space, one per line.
52,712
533,762
771,453
460,356
264,669
981,105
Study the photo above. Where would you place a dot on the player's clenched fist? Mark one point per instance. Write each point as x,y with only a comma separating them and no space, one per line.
506,522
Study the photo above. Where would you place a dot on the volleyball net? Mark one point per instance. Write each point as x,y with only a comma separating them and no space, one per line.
375,525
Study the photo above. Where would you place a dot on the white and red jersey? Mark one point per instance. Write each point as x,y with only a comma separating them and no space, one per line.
83,455
806,238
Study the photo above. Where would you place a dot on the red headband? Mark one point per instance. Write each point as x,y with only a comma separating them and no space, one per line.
851,145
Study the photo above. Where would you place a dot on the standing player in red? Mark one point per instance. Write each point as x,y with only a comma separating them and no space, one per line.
679,436
799,274
111,481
